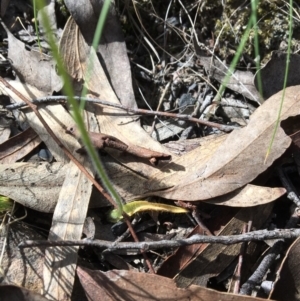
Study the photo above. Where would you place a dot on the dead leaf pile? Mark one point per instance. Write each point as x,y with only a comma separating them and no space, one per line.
219,171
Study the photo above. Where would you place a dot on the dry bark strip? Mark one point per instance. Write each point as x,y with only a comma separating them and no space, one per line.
102,141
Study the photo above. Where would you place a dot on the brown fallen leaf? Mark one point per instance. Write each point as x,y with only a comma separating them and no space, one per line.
19,146
130,285
287,284
233,163
212,259
101,141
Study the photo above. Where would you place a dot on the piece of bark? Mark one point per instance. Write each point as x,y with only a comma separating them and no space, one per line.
101,141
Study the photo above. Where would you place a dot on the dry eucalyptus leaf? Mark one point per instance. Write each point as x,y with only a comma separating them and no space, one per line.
55,115
235,162
22,267
36,186
130,285
287,285
33,67
214,258
112,47
67,224
112,121
273,74
248,196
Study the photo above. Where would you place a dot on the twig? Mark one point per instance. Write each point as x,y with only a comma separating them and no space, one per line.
238,271
195,214
259,235
291,195
257,277
100,141
225,128
127,220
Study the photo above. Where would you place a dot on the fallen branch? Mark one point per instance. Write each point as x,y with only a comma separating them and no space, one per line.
259,235
224,128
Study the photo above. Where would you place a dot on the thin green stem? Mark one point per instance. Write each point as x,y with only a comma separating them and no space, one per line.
235,59
285,79
68,90
254,4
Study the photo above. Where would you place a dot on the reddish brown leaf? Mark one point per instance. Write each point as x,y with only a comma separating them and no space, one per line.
19,146
287,286
130,285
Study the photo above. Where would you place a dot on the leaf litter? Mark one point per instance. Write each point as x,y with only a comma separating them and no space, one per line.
220,171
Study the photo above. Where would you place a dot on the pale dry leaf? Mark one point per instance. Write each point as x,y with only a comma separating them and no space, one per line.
36,186
130,285
33,67
130,185
22,267
235,162
250,195
112,48
67,224
241,81
55,116
4,134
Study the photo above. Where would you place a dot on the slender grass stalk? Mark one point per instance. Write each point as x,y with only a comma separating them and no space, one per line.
287,65
36,26
95,43
254,4
68,90
235,60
